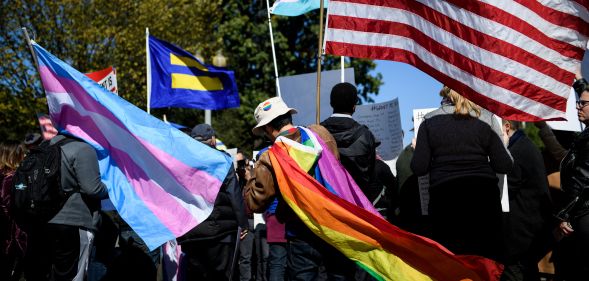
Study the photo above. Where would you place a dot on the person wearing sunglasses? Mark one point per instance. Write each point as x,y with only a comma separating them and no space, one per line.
572,260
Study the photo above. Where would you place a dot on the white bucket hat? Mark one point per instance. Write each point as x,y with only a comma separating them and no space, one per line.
267,111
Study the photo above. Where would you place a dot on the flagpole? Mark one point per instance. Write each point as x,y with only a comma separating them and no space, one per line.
273,49
35,60
208,117
342,62
24,29
148,63
319,53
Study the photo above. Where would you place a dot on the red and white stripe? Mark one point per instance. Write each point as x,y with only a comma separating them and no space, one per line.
516,58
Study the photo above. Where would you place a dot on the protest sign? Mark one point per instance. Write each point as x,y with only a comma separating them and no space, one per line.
384,121
300,92
423,181
107,78
418,116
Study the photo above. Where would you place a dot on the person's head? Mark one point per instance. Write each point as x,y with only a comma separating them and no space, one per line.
343,98
33,139
241,160
205,134
582,89
509,127
462,106
13,155
272,116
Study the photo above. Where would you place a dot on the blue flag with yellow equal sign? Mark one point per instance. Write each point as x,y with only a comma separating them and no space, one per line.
178,79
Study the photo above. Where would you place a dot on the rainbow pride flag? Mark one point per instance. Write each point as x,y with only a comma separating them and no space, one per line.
383,250
161,181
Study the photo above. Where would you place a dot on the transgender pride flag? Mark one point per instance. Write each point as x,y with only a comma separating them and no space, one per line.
162,182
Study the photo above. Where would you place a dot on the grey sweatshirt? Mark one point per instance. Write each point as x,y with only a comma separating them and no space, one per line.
79,171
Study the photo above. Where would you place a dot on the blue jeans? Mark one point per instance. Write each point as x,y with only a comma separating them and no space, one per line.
304,259
277,262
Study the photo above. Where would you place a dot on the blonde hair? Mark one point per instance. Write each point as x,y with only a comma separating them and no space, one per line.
3,155
13,155
462,106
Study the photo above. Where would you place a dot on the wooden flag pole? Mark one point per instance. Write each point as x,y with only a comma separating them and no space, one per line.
24,29
319,53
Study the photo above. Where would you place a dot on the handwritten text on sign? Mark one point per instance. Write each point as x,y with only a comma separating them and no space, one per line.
384,121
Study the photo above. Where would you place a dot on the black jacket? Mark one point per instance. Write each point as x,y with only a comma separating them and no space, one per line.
228,213
357,148
529,199
450,147
383,185
574,173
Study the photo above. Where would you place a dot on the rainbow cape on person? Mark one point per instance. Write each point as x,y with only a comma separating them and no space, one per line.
340,218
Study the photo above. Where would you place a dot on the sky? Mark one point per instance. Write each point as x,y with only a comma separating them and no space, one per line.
414,89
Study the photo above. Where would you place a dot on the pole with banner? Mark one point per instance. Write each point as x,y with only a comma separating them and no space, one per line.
24,29
319,53
273,49
148,69
343,65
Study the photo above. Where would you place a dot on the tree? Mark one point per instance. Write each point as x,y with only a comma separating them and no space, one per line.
246,41
92,35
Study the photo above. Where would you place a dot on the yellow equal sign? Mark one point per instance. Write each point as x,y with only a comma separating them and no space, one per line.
193,82
186,61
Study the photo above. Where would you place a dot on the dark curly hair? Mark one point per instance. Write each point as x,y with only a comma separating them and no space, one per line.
580,86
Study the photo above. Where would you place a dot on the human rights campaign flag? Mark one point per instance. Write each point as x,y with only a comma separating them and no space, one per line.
295,7
178,79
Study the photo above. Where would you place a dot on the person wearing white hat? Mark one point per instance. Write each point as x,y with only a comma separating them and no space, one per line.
306,252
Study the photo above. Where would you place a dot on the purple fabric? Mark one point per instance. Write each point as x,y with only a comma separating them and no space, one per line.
13,238
340,180
275,232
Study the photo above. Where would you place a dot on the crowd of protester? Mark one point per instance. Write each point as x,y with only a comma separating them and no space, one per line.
466,152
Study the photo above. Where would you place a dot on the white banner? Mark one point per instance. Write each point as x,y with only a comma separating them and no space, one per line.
384,121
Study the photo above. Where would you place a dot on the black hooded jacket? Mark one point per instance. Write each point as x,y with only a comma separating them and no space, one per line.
228,213
357,148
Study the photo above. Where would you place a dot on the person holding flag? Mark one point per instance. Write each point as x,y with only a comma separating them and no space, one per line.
329,221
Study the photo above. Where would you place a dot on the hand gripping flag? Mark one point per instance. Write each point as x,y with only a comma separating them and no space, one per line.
178,79
515,58
295,7
334,211
161,181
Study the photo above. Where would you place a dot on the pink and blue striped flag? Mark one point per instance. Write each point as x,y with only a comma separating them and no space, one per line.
161,181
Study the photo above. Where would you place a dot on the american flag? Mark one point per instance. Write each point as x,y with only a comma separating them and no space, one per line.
515,58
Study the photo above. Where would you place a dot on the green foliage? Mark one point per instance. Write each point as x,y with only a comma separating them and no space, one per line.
534,134
93,34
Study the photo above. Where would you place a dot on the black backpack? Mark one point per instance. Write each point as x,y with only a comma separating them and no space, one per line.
36,192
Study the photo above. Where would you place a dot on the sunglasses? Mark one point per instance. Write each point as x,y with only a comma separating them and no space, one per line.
582,103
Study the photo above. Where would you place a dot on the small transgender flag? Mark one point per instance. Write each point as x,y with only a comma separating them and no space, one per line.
161,181
295,7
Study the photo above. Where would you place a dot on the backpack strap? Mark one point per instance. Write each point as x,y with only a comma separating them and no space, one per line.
66,140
